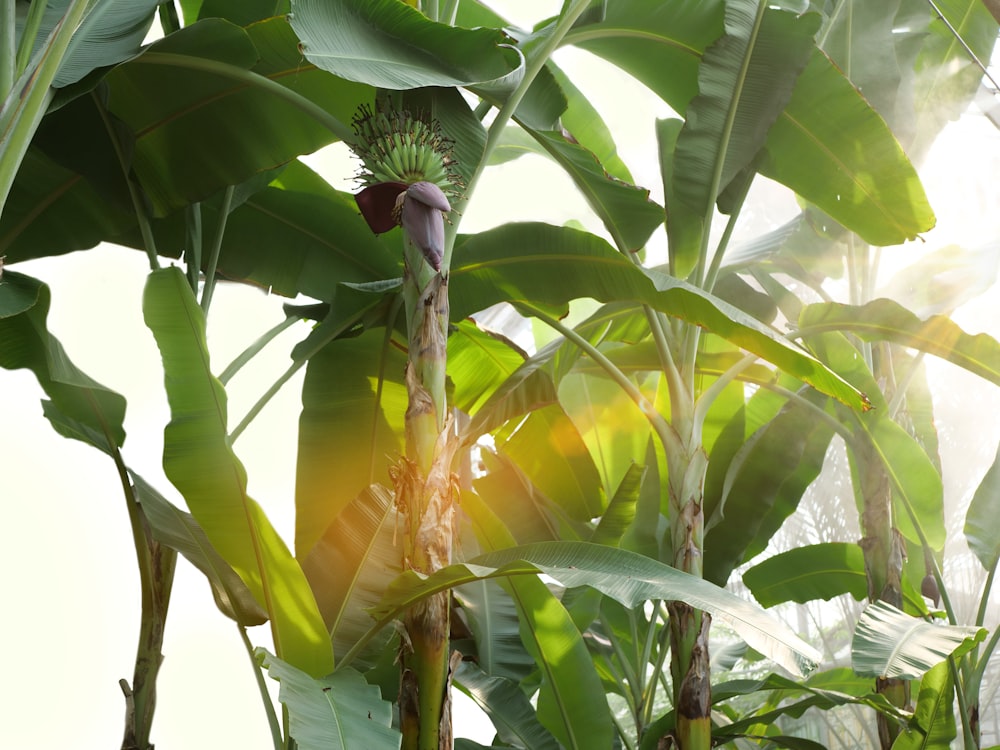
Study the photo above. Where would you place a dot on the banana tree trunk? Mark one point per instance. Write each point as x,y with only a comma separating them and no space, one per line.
883,552
425,497
689,655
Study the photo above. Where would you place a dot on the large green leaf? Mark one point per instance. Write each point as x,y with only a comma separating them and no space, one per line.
834,150
508,707
52,210
982,520
390,45
816,571
350,428
551,453
888,643
549,265
80,407
763,486
684,225
744,82
203,118
479,361
625,576
571,703
199,460
885,320
626,211
111,31
352,563
337,712
828,145
933,724
179,530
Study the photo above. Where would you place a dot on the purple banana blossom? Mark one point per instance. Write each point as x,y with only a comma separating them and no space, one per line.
378,205
424,207
419,207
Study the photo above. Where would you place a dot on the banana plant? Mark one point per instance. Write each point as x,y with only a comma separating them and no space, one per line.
401,387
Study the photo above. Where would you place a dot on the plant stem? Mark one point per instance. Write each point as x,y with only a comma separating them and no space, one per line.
192,244
36,12
663,430
265,696
22,110
216,250
8,48
255,348
138,206
493,135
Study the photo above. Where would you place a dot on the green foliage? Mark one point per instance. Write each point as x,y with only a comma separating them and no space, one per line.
676,390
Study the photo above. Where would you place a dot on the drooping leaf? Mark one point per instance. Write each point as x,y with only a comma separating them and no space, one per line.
982,520
508,707
337,712
199,460
763,486
888,643
943,280
584,123
834,150
492,618
744,81
885,320
555,264
625,576
620,512
388,44
350,429
179,530
626,211
817,571
571,703
528,515
80,407
353,561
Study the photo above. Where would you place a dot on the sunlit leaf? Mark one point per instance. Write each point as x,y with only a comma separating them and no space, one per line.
885,320
551,265
625,576
982,520
888,643
745,80
353,561
571,703
337,712
174,528
199,460
350,429
933,724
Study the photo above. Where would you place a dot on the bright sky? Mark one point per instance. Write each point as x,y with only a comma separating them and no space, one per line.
71,594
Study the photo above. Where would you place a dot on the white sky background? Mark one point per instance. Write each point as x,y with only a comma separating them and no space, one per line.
70,607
